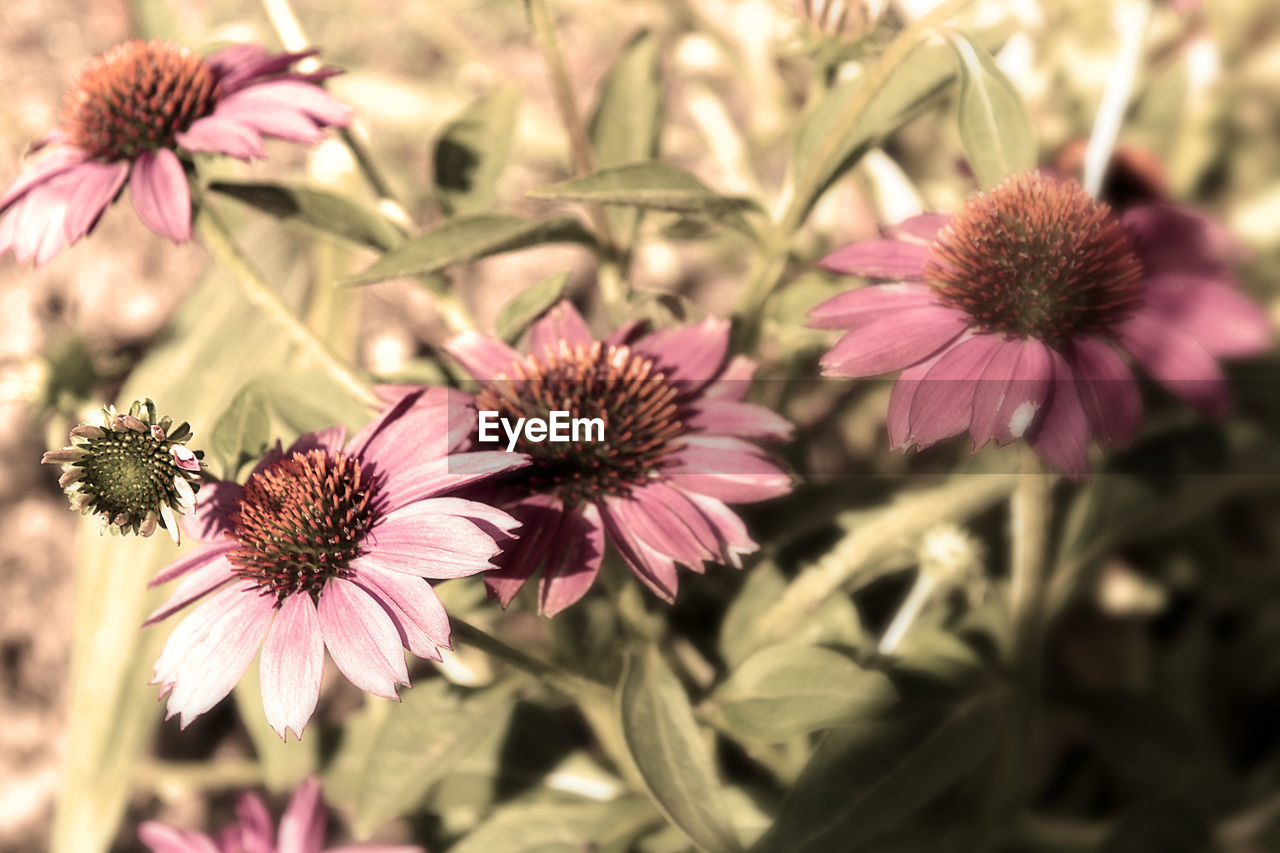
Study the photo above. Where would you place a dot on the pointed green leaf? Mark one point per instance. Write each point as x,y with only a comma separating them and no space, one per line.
651,185
784,691
473,150
995,126
670,753
420,742
319,209
543,827
467,238
865,779
242,431
529,304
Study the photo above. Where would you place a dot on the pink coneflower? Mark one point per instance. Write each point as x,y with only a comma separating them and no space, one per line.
302,830
327,545
130,114
1013,318
676,450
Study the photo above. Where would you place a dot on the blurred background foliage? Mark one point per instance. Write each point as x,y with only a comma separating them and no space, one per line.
719,723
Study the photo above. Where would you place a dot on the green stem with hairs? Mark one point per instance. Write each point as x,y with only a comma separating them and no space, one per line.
575,686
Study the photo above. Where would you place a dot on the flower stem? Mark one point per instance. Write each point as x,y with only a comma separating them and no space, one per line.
907,613
1029,518
1131,25
222,245
572,685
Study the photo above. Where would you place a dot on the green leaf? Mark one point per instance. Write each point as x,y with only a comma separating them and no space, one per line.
319,209
865,779
305,401
784,691
242,432
468,238
995,126
473,150
420,742
668,750
528,305
543,827
651,185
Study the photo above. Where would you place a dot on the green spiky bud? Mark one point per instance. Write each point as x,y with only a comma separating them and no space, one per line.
134,472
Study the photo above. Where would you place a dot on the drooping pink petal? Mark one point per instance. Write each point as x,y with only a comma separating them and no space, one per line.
241,64
256,830
205,570
211,518
690,355
541,517
1111,398
561,323
1173,358
161,195
1178,240
923,228
855,308
1012,392
290,96
303,823
898,417
290,125
35,224
1220,318
735,542
726,468
210,650
573,559
483,357
673,508
894,342
744,420
291,665
733,382
414,606
361,639
215,134
943,404
166,839
656,526
440,537
655,570
96,185
887,259
55,162
1061,435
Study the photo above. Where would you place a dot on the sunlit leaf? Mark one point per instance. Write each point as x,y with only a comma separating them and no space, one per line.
468,238
320,209
473,150
652,185
527,305
241,433
995,126
673,759
541,827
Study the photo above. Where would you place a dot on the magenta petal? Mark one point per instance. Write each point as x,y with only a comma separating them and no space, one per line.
412,603
656,570
855,308
541,517
891,259
734,380
726,468
216,134
210,649
202,577
191,561
483,357
658,527
923,228
46,167
1221,319
303,823
166,839
688,354
1012,392
1178,240
329,440
96,186
290,95
735,542
744,420
1175,359
288,124
161,195
291,666
898,417
664,501
894,341
1107,390
361,639
257,832
573,560
561,323
1061,438
943,404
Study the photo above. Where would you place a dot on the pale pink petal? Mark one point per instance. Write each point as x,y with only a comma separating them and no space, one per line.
656,570
483,357
1061,438
692,354
303,823
161,195
1221,319
894,341
201,663
216,134
573,560
561,323
399,434
891,259
202,576
361,639
1012,392
96,185
735,542
424,478
923,228
291,665
1174,358
744,420
53,163
412,603
440,537
943,404
166,839
726,468
855,308
1107,391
